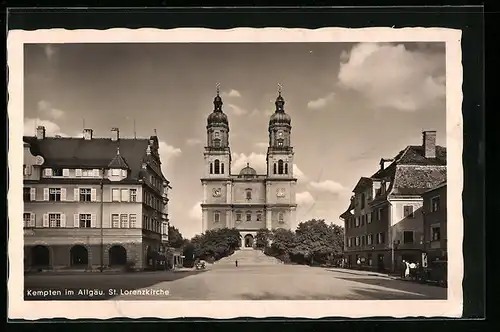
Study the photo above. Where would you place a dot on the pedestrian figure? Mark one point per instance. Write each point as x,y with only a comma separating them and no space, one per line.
236,263
407,269
403,268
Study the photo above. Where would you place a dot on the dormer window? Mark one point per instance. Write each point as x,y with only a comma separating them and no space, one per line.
115,172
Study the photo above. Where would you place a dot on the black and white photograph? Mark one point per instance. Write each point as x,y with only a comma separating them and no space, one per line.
251,165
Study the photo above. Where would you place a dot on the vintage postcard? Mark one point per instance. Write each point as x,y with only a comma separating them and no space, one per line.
278,172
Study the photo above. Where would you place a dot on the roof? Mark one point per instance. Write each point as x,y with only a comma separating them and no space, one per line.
248,171
347,214
438,186
94,153
118,161
364,182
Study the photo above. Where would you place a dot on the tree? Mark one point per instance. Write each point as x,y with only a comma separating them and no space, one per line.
262,238
283,242
175,239
216,244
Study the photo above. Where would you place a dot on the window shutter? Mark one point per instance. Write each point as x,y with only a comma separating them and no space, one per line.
45,222
65,172
63,194
33,194
93,195
78,172
45,194
63,220
93,220
76,220
76,195
32,220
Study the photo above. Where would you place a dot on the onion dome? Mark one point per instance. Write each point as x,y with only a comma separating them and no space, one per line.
248,171
217,117
279,117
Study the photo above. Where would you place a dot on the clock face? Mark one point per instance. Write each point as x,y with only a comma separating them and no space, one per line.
39,160
280,134
280,192
216,192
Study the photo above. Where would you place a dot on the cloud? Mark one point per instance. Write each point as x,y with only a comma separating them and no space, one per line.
193,141
51,128
320,103
262,145
236,110
50,51
264,112
258,162
195,212
167,154
391,76
45,108
231,93
328,186
304,199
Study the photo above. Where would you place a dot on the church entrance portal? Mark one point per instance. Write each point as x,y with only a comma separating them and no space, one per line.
248,241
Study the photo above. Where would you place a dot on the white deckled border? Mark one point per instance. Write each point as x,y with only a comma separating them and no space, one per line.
452,307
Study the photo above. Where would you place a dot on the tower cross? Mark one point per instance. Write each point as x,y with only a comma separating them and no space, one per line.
218,88
280,86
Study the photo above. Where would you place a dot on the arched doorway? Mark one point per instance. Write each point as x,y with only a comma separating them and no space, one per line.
248,241
40,256
117,255
79,256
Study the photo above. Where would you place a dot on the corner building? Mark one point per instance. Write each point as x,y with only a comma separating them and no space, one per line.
248,201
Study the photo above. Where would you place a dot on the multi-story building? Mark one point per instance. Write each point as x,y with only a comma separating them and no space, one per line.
384,222
93,202
435,223
248,201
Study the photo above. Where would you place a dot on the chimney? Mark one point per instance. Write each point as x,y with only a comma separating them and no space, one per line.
429,143
87,134
115,134
40,132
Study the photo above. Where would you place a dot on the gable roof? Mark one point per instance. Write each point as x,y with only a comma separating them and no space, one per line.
118,161
74,152
363,183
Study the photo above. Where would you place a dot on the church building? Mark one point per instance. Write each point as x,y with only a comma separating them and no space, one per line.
248,201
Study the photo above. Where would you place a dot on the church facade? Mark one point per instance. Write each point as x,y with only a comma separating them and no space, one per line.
248,201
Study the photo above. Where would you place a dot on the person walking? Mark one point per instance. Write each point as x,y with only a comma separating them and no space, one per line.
236,262
407,270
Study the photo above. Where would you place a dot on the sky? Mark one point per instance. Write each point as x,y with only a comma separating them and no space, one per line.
350,103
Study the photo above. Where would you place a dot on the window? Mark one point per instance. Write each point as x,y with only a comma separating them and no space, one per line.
133,195
370,239
435,202
29,219
26,170
286,168
216,134
55,194
274,168
407,236
216,216
281,217
238,216
85,194
363,240
369,218
87,173
115,221
54,219
26,194
115,195
379,214
115,172
132,218
363,199
217,143
357,222
380,238
349,242
57,172
123,220
124,195
362,220
408,211
357,241
280,166
249,194
435,233
216,166
249,216
145,222
65,172
85,220
222,168
280,143
211,168
259,216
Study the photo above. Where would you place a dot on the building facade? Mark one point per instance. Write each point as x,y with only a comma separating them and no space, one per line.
93,202
248,201
435,223
384,222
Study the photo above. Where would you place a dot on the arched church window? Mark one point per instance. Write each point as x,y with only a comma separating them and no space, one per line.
216,166
249,216
281,217
280,166
274,168
211,168
280,143
286,168
222,168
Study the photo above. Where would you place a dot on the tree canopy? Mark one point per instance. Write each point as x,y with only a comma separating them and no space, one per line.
175,238
216,244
